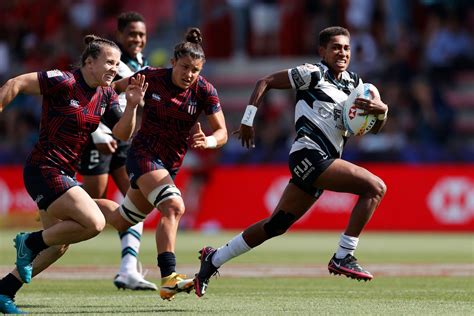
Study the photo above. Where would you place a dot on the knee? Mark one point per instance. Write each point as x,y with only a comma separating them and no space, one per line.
278,224
121,220
127,215
99,224
378,189
96,226
173,208
160,195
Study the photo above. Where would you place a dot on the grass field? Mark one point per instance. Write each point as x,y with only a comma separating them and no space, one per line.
80,283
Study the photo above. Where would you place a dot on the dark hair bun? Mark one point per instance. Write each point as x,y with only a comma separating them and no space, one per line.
193,35
90,38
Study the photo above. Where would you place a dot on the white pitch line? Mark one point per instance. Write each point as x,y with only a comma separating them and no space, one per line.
257,270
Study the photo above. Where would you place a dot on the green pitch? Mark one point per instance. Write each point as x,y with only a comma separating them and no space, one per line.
303,295
263,296
293,247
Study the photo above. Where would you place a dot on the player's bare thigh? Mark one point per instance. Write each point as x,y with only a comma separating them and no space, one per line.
343,176
151,180
75,204
95,185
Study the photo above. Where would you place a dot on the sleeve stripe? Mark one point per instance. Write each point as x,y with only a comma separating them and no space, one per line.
291,78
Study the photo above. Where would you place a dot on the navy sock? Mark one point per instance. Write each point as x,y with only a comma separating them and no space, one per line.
167,263
35,242
9,285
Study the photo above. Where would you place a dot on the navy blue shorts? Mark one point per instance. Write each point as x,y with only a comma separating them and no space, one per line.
45,184
95,163
139,164
306,165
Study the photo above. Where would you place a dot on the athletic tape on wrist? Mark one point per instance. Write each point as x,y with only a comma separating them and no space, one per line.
211,142
249,115
99,137
382,116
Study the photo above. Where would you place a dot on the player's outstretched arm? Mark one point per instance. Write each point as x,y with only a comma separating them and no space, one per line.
134,93
26,83
278,80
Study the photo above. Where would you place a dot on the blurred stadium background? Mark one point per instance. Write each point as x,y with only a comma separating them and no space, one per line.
420,54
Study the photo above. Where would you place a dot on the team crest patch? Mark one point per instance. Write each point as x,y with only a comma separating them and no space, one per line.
102,108
74,103
54,73
192,107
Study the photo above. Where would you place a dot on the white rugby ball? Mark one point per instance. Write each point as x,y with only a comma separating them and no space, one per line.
355,123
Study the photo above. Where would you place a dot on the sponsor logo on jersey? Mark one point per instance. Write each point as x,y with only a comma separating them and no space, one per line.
352,112
74,103
156,96
297,79
304,169
54,73
192,107
103,106
324,113
39,198
92,166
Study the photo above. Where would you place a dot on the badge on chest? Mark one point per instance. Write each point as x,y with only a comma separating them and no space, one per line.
192,107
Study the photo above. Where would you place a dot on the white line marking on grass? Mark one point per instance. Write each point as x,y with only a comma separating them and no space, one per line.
257,270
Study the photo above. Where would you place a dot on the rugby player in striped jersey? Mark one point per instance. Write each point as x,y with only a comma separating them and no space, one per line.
315,157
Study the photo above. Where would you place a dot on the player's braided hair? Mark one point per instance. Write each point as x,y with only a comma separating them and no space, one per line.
94,46
192,46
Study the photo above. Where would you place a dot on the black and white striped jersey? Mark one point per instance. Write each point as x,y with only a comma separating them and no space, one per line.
128,67
318,111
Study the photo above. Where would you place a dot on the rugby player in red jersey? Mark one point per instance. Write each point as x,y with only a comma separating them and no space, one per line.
173,102
73,104
105,155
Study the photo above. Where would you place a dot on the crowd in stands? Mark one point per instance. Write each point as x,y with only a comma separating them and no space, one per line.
420,54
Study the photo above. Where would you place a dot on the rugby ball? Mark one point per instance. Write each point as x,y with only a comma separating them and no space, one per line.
355,123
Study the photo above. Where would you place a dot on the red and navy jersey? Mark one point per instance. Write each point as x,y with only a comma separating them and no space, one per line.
71,111
169,113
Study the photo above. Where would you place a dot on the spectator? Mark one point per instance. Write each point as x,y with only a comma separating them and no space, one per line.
264,25
433,120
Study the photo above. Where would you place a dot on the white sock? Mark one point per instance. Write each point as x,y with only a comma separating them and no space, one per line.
130,240
235,247
347,245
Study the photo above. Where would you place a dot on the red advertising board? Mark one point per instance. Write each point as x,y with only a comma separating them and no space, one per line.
13,196
424,198
419,198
